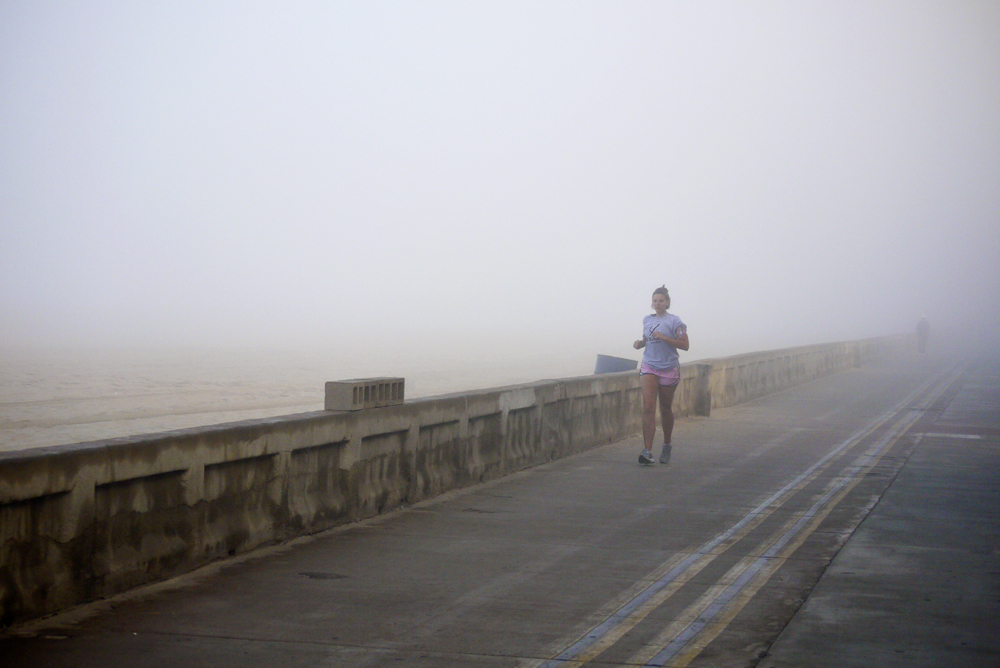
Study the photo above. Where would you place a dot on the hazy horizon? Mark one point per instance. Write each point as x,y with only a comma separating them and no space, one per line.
481,178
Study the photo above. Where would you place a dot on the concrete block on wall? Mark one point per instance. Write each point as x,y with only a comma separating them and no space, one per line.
352,395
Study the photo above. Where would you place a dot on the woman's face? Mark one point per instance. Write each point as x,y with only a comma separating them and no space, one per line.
660,303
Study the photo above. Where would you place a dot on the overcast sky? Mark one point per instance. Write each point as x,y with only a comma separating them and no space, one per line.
496,173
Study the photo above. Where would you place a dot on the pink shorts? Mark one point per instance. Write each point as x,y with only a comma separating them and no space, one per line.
668,377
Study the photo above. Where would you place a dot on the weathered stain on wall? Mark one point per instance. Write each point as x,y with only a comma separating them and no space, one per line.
86,521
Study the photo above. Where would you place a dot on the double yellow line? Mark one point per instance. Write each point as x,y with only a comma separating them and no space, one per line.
684,638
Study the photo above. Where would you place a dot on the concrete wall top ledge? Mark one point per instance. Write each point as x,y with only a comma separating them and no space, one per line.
256,428
735,360
53,469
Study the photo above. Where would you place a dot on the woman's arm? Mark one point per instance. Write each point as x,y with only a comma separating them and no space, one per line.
640,343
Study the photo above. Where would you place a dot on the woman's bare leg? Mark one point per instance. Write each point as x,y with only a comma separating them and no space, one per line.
667,412
650,389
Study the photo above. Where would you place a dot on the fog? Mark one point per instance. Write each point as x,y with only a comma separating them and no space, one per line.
470,178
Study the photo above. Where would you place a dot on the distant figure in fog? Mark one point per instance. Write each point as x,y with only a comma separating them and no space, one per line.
923,333
662,335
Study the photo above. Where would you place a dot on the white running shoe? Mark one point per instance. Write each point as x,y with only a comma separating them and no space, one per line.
665,453
646,457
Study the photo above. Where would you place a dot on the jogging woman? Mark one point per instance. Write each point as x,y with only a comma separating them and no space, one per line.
663,334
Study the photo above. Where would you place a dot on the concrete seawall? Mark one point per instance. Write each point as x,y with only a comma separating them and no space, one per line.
82,522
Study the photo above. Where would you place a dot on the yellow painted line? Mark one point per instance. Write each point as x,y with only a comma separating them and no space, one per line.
626,616
691,614
656,652
764,576
632,619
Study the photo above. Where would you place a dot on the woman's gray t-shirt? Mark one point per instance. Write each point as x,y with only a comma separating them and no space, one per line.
660,354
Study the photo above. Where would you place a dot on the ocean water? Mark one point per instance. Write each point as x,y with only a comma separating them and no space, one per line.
62,396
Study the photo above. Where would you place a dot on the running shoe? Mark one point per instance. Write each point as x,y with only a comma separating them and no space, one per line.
665,453
646,457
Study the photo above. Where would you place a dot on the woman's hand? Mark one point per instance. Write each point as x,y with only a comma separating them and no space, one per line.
681,342
640,343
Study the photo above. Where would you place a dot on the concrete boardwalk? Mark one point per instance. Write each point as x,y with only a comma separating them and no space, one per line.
852,521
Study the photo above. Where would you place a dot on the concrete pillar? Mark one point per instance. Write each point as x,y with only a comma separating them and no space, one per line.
703,391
